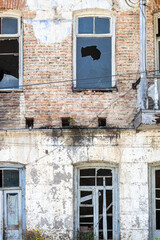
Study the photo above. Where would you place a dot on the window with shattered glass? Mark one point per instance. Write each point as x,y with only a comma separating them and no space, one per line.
10,56
96,204
94,53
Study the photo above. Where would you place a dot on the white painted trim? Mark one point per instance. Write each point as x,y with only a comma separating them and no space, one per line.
94,13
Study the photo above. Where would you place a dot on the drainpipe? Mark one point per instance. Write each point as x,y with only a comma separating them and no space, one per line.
142,90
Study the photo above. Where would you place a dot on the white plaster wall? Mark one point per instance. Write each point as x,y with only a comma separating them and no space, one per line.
54,17
49,162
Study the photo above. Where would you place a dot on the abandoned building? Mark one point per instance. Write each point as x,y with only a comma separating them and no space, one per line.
80,119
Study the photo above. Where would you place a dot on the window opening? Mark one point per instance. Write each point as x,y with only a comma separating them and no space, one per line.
29,123
93,53
10,41
9,178
157,193
65,122
101,122
96,203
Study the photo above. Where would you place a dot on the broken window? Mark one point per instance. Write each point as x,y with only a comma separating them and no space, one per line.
94,53
10,53
96,204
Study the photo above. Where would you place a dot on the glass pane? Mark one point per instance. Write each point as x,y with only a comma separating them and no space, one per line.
9,25
157,175
85,25
94,64
157,219
102,25
11,178
12,209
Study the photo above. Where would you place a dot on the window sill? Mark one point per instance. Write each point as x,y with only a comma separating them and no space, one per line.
11,90
112,89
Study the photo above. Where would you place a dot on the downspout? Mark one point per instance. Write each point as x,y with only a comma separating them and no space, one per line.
142,90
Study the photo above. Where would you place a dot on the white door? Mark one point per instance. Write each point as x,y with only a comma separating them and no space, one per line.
11,220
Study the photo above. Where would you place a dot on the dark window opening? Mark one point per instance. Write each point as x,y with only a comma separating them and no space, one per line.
9,63
9,178
65,122
157,185
96,203
9,53
0,178
29,123
158,34
101,122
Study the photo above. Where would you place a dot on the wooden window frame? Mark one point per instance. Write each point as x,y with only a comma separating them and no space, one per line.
19,36
101,14
115,189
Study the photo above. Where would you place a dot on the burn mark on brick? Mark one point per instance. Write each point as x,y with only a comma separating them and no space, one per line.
91,51
157,118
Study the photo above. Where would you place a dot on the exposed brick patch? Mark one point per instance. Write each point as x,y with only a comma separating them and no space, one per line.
12,4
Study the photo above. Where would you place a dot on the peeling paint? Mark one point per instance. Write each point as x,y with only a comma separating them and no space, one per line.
49,32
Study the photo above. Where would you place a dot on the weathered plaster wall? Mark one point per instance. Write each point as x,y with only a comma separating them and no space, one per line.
49,157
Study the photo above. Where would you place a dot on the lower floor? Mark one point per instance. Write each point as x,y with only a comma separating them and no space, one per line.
80,184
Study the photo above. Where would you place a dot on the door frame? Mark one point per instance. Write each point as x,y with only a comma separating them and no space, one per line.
21,188
115,192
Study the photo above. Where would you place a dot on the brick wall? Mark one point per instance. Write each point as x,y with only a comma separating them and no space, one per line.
51,61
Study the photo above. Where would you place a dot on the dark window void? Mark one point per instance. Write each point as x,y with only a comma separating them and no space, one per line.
8,25
65,122
98,177
101,122
0,178
159,54
9,63
158,34
29,123
157,185
94,74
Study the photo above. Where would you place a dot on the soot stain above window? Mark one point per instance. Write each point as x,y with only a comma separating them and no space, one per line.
91,51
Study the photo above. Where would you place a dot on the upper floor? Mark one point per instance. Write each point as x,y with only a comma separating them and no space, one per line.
76,63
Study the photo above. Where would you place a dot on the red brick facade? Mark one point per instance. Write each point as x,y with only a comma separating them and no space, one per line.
52,64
